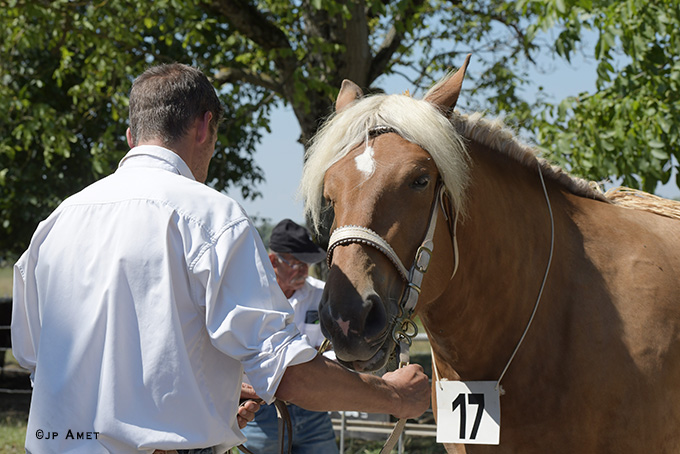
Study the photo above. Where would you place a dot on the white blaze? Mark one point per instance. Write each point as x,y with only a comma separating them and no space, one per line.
365,162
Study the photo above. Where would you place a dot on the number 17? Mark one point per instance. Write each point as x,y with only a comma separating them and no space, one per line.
473,399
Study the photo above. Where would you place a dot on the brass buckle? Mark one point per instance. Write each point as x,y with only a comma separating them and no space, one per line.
404,331
419,252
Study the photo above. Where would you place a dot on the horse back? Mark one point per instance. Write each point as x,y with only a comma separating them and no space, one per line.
633,259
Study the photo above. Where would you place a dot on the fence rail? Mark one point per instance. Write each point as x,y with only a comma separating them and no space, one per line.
344,426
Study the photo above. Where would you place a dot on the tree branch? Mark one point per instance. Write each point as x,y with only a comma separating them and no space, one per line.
250,22
391,43
229,75
510,24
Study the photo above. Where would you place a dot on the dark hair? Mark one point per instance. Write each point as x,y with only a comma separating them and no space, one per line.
166,99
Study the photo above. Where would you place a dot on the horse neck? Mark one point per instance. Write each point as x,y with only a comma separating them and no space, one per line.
504,242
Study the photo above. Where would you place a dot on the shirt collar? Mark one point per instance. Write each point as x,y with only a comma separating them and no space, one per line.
159,157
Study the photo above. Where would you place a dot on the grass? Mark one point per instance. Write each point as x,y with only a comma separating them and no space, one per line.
13,415
13,421
12,434
412,445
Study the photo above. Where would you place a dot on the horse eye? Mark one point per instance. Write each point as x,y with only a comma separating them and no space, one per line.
421,182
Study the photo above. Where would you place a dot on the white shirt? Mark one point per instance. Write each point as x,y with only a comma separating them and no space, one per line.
305,302
137,307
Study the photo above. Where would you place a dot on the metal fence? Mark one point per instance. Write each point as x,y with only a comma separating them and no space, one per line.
376,429
18,383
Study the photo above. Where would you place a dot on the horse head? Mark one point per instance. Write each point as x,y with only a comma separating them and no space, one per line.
377,163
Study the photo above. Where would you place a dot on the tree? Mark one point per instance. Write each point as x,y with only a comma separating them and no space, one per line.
67,67
628,128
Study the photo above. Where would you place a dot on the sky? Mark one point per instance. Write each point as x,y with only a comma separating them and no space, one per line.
280,154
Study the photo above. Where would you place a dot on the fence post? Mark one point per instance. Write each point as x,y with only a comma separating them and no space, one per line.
342,432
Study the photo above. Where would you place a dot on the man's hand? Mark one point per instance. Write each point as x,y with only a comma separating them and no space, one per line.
413,388
250,403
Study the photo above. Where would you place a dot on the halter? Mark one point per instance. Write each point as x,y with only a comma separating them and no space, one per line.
404,328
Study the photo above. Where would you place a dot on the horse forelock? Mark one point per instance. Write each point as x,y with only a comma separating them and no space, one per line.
417,121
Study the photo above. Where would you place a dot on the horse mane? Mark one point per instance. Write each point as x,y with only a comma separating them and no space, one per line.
640,200
419,122
494,134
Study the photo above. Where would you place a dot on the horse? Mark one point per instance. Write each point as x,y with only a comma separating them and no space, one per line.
528,273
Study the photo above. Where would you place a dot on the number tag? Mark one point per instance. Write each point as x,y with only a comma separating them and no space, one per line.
468,412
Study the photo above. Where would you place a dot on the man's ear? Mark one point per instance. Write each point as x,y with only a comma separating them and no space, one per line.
203,127
272,258
128,135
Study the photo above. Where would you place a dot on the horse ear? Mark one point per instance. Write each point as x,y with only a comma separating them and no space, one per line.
446,96
349,92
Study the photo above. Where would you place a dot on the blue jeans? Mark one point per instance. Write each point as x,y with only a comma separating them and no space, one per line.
312,432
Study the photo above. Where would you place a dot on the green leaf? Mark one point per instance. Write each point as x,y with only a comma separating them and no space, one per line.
661,155
656,144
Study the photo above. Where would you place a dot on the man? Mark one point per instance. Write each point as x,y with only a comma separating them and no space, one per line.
292,251
142,300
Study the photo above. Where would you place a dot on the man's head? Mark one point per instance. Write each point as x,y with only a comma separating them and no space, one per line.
292,251
166,99
168,103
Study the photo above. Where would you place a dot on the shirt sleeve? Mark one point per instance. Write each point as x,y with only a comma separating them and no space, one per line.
25,330
247,315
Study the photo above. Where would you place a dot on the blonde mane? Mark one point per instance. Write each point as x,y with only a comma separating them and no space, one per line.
496,135
417,121
421,123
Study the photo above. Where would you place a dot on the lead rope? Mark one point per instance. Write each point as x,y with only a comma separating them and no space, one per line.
283,416
538,299
416,276
285,425
401,424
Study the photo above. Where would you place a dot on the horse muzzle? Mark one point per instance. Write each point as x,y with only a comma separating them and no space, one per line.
357,327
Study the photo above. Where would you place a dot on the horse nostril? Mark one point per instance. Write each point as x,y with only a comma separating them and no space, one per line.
376,317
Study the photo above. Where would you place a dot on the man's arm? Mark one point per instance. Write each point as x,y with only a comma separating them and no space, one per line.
323,385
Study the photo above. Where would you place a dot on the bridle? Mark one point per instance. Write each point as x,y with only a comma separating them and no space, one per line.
404,329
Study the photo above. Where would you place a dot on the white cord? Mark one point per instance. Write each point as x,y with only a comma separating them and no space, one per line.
545,277
540,292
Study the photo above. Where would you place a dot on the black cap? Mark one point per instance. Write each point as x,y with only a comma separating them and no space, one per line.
288,237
